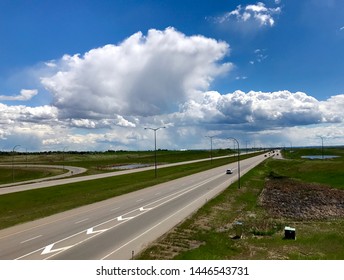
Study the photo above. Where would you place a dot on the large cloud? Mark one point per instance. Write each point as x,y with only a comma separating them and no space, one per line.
143,75
261,110
27,126
17,114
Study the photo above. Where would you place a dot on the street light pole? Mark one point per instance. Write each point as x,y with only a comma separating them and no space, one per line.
237,160
211,148
13,161
155,163
322,147
63,157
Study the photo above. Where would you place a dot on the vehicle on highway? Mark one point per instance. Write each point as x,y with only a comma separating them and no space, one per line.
229,171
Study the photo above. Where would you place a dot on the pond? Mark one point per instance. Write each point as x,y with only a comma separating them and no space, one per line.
130,166
320,157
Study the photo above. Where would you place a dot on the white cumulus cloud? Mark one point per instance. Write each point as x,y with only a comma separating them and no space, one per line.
120,121
143,75
25,95
262,110
14,114
253,13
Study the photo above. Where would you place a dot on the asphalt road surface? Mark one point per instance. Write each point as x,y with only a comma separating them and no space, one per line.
120,227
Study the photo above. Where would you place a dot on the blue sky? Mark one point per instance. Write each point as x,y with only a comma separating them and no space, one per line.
90,75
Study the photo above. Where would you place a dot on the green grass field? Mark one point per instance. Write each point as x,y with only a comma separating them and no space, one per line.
9,175
209,233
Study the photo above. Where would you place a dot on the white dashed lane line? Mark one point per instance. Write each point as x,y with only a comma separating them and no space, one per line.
33,238
78,222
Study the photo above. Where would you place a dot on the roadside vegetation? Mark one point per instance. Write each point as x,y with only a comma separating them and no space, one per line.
28,205
307,195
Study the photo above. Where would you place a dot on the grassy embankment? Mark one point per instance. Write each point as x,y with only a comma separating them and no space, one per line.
9,175
29,205
210,232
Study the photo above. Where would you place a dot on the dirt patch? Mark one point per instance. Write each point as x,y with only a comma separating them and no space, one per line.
302,201
172,244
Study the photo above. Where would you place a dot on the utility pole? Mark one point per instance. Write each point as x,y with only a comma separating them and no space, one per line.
13,161
155,158
211,148
322,147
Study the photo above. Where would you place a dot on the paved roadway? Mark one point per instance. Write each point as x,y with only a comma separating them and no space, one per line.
119,227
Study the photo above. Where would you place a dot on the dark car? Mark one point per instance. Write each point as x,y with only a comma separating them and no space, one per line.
229,171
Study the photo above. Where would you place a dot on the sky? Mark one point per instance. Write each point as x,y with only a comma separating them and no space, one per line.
93,74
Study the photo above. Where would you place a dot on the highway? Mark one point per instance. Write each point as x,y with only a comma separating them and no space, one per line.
120,227
56,180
